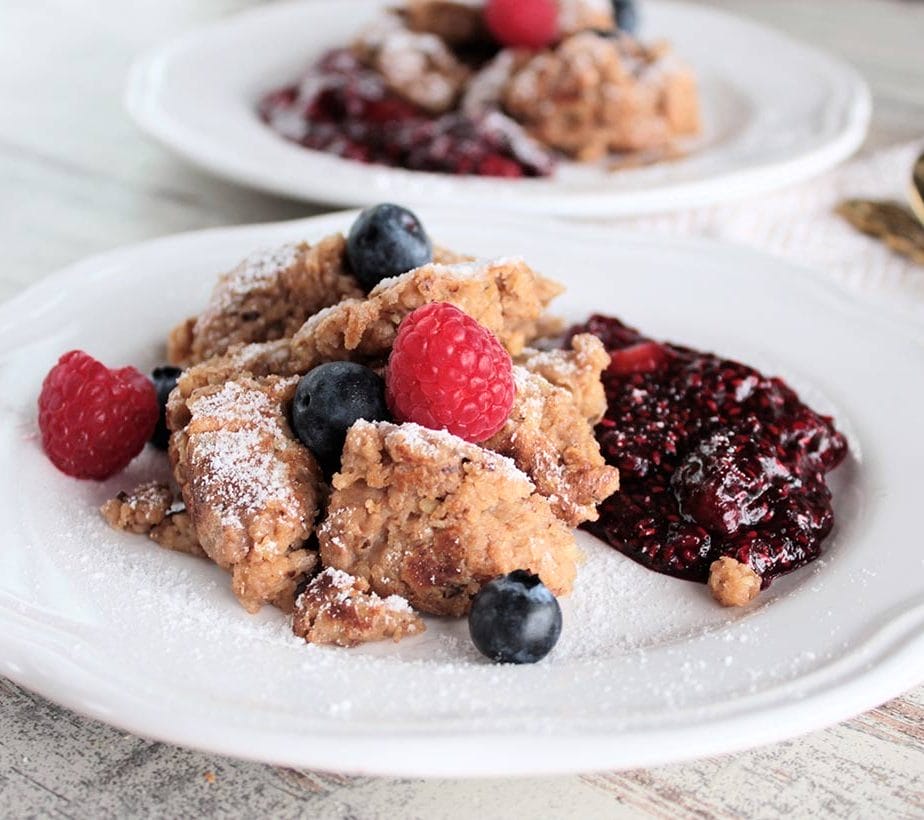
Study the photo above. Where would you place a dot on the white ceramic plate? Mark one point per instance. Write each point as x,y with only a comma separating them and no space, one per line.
648,670
776,112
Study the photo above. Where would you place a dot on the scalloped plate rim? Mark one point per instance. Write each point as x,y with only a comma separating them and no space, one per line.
30,655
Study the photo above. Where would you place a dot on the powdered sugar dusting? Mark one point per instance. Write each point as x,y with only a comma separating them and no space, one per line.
637,647
234,402
416,64
149,493
574,15
338,578
425,443
459,270
237,469
395,603
552,360
390,32
259,270
486,89
528,389
524,147
344,587
529,408
324,313
243,479
479,269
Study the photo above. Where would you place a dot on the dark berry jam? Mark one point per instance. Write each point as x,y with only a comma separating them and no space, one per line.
715,459
344,108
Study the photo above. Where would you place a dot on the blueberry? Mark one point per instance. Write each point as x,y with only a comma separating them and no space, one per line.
328,401
626,13
386,240
164,379
515,619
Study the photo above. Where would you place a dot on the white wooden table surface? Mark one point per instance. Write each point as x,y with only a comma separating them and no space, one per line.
76,178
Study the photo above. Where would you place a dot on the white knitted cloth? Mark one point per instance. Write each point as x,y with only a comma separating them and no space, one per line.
800,225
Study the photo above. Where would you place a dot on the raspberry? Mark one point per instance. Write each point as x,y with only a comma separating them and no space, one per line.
523,23
448,372
93,420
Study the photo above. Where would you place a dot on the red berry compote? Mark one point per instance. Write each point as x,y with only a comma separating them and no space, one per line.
344,108
716,459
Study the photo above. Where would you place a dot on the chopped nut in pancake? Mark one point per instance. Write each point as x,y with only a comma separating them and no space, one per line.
422,514
337,608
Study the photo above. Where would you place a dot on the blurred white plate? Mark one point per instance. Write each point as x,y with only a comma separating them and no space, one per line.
649,669
776,112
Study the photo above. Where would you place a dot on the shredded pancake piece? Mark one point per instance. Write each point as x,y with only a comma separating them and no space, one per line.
458,23
150,510
733,583
505,295
267,296
251,489
417,65
338,609
422,514
140,510
549,439
592,95
576,370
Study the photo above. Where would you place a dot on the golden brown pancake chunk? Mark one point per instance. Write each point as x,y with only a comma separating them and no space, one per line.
177,533
422,514
506,296
576,370
338,609
416,65
148,510
549,439
733,583
592,95
267,296
140,510
455,22
251,489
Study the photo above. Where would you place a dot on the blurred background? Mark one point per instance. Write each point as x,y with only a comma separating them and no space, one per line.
77,177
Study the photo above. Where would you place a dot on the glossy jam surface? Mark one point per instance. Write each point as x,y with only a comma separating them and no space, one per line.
343,108
715,459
